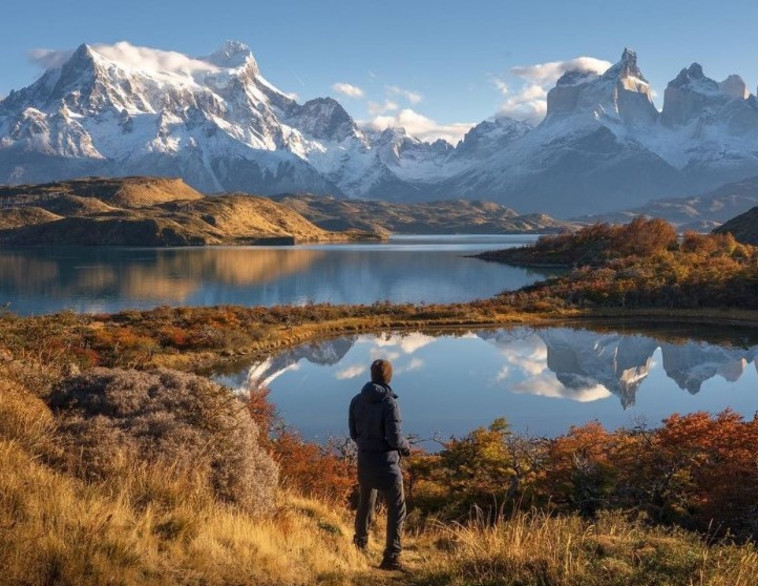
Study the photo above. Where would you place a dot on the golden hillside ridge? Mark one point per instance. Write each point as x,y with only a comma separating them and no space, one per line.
149,211
118,191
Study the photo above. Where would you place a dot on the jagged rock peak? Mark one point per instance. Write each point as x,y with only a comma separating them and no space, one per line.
735,87
692,78
693,73
84,57
627,67
232,54
78,72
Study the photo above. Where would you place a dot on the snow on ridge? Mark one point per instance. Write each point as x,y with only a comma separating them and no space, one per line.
153,61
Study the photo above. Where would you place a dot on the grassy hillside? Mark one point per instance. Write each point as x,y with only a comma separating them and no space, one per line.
125,192
440,217
145,211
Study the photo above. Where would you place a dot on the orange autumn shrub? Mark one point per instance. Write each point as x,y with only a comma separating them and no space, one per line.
324,472
696,471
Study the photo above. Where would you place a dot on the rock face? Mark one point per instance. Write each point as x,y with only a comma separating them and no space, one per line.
735,87
621,93
219,124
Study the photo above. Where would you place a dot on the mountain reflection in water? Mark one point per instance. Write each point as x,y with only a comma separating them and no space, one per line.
541,380
42,280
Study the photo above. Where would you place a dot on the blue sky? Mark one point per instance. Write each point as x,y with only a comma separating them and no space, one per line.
436,64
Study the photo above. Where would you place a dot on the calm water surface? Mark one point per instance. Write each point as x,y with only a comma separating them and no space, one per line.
541,380
412,269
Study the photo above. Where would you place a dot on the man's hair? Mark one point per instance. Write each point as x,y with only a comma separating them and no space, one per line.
381,371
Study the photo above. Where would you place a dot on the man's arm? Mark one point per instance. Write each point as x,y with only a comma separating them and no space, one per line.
392,429
351,421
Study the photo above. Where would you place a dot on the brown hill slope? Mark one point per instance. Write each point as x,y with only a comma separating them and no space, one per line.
118,192
75,205
744,227
440,217
144,211
239,216
11,218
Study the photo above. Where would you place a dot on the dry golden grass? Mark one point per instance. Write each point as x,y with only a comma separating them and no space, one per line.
155,528
567,551
17,217
150,528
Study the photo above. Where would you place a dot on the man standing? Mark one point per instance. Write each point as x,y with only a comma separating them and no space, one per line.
375,426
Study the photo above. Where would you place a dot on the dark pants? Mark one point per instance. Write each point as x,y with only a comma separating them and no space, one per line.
390,485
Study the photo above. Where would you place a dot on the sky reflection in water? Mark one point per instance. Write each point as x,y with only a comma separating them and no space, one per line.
541,380
406,269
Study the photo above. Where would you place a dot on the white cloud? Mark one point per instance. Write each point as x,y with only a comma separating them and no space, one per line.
411,96
501,86
414,364
548,73
375,353
388,106
147,59
130,56
530,102
527,354
420,126
350,372
348,89
547,385
47,58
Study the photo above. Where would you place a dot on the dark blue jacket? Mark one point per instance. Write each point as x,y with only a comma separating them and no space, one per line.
375,426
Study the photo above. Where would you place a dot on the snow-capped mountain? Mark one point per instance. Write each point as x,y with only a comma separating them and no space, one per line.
215,121
585,362
603,142
219,124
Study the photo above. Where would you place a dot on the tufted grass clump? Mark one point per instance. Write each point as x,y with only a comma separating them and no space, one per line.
111,420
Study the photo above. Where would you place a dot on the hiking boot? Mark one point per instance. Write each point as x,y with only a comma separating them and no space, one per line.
392,565
360,545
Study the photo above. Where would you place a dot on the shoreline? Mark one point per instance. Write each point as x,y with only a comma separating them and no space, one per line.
278,328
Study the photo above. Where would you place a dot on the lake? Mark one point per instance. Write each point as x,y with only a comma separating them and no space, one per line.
415,269
541,380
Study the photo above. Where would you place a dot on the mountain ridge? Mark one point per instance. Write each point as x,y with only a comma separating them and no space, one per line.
219,124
